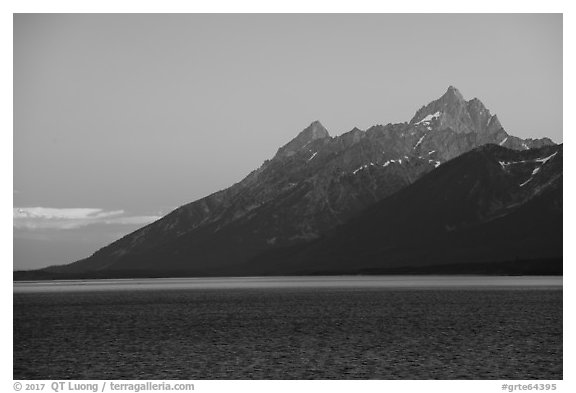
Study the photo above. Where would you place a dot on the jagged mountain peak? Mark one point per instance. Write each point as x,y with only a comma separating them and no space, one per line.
315,131
311,133
453,93
451,98
462,116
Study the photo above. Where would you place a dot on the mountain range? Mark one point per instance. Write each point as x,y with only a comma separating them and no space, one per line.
448,191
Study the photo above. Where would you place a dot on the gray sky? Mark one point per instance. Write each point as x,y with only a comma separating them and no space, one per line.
134,115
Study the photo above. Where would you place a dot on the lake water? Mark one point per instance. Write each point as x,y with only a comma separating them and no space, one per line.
364,327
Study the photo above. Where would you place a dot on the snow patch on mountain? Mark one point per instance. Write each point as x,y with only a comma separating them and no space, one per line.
526,182
546,159
362,167
419,142
399,161
429,118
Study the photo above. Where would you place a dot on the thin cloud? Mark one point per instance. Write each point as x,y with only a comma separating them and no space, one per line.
71,218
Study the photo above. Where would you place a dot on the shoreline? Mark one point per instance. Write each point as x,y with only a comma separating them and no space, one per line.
296,282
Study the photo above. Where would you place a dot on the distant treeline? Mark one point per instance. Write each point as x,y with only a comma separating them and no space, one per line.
534,267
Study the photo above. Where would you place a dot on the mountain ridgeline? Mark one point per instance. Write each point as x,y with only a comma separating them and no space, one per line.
449,191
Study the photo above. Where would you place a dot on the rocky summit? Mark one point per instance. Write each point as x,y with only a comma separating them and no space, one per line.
312,185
